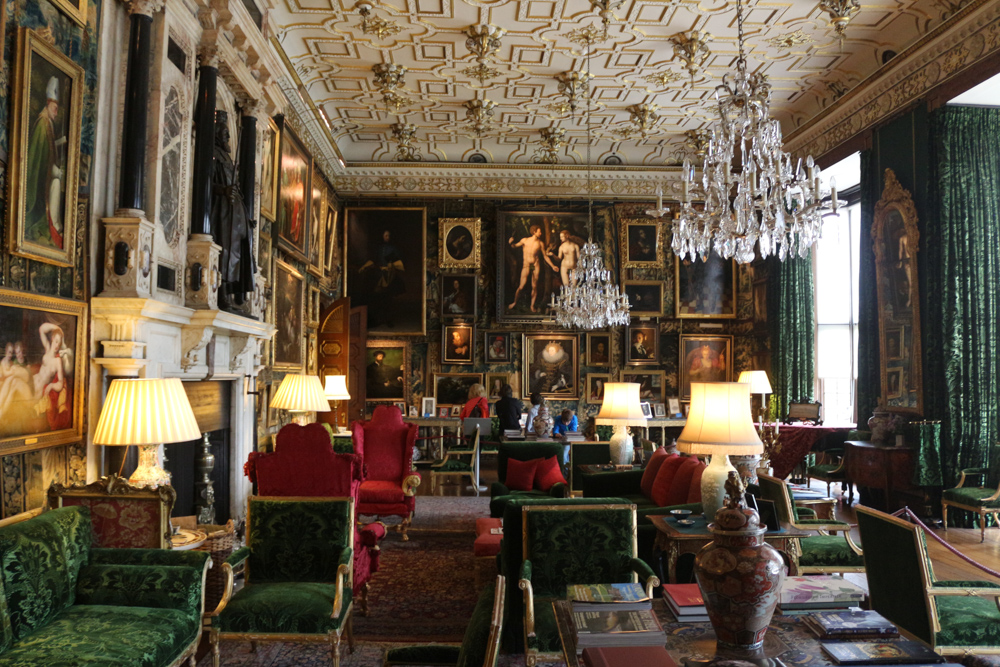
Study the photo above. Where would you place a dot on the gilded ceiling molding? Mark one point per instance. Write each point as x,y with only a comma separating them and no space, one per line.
964,40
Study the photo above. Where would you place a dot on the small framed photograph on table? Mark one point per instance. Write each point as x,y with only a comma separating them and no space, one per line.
443,412
428,406
414,412
647,411
659,410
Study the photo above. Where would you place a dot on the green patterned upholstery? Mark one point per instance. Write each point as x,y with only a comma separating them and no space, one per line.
293,540
828,550
968,621
159,587
825,470
971,495
288,607
452,465
190,558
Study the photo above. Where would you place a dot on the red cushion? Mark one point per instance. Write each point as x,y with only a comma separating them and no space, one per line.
487,545
678,493
371,534
378,491
664,480
694,491
548,474
653,467
521,474
486,524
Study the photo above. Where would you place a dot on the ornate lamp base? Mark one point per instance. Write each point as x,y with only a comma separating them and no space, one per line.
149,472
713,484
621,446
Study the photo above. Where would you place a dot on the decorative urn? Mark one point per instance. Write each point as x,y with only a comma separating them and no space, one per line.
739,574
542,423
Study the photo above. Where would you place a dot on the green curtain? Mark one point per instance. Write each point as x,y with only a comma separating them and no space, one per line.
963,259
869,379
792,324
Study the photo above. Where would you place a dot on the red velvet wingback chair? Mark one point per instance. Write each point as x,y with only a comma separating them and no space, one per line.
385,444
303,463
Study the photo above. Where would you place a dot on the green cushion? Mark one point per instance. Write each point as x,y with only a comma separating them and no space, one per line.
825,471
451,465
162,587
190,558
971,495
40,560
295,540
822,550
967,621
639,500
288,607
423,654
108,636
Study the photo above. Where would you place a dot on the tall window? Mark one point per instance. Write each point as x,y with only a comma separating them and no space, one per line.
835,267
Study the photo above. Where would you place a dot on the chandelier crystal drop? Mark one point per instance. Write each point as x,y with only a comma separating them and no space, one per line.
753,191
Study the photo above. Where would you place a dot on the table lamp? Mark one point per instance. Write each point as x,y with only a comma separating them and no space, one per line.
146,413
300,395
759,384
719,424
621,408
336,390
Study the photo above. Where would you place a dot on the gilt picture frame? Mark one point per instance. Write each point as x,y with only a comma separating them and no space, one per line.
458,344
704,359
652,383
599,349
294,196
705,290
551,365
642,344
459,296
289,317
387,379
317,224
498,347
641,245
645,297
453,388
75,9
269,163
459,243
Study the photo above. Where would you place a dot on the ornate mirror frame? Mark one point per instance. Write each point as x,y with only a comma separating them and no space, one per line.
895,240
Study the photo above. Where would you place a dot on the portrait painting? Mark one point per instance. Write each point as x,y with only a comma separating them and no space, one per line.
705,289
44,152
444,411
42,387
330,239
643,344
387,364
312,344
651,383
317,225
595,387
598,349
551,365
458,344
639,240
536,252
458,241
456,411
414,411
894,338
385,267
494,385
645,297
453,388
427,406
294,196
289,316
458,296
498,347
704,359
269,170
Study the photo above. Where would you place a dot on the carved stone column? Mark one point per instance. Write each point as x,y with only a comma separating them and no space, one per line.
204,142
128,251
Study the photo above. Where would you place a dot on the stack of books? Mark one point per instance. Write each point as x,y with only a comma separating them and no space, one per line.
818,592
627,656
685,602
613,615
903,652
572,436
513,434
608,597
855,624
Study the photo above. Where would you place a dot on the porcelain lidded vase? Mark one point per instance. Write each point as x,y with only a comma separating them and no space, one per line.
543,422
739,574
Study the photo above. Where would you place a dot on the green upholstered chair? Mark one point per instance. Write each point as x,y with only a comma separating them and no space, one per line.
572,544
480,646
297,577
500,494
830,469
831,549
979,499
453,463
954,617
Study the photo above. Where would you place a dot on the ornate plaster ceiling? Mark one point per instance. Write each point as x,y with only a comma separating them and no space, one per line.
792,42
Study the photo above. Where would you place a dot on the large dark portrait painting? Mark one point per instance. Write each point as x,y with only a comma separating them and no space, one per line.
288,317
453,388
537,252
704,359
294,196
386,267
705,289
387,365
41,371
551,365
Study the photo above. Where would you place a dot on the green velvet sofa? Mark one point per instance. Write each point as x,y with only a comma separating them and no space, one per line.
67,604
500,494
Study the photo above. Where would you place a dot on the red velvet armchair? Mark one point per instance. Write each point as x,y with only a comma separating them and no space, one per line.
385,444
303,463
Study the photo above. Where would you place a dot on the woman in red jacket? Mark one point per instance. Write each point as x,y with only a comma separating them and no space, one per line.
477,399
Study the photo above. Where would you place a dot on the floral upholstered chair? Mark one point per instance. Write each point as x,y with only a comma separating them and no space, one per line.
385,444
298,575
123,516
954,617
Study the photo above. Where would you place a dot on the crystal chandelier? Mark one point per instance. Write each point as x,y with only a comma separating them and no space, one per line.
753,192
591,300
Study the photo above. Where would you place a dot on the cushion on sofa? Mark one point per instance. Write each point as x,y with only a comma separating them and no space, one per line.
694,490
653,467
548,474
665,479
159,587
678,492
291,607
521,474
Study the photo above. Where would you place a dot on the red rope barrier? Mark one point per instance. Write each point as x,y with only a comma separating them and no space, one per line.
913,517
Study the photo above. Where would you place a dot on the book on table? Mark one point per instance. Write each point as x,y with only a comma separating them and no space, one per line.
685,602
881,653
608,597
627,656
818,589
636,627
857,624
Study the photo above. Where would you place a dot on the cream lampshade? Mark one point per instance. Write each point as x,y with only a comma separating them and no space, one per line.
621,408
719,424
759,384
336,390
300,395
146,413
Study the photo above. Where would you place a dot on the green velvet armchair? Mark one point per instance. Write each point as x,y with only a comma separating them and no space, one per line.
953,617
979,498
297,576
563,545
480,645
500,494
832,468
831,549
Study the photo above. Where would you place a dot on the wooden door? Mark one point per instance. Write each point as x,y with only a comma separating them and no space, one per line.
333,352
356,378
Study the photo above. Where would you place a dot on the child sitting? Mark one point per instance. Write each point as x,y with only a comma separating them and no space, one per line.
566,422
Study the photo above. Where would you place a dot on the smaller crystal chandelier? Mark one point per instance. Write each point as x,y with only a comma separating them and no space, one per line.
606,10
479,116
553,139
375,25
404,135
574,85
692,49
841,12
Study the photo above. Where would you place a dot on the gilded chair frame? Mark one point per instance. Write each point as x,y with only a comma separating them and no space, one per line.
845,484
834,527
473,473
930,592
533,657
981,510
345,578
